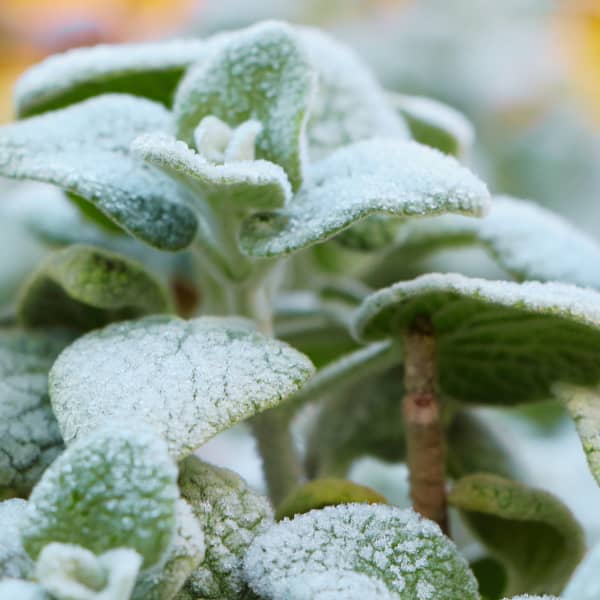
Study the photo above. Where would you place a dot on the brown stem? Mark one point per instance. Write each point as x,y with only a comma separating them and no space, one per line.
424,433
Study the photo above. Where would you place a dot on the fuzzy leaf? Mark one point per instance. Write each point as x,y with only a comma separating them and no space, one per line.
349,105
327,491
151,70
498,342
115,488
185,554
527,240
585,584
209,372
71,572
29,436
84,287
11,589
435,124
530,531
230,515
14,561
84,149
258,73
379,176
358,551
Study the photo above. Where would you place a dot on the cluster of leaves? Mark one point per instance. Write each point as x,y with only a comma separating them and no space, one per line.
253,173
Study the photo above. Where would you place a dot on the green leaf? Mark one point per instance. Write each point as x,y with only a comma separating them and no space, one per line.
527,241
349,105
435,124
530,531
115,488
151,70
84,149
84,287
230,515
29,436
14,562
70,572
358,551
328,491
210,372
10,589
378,176
497,342
258,73
184,556
585,585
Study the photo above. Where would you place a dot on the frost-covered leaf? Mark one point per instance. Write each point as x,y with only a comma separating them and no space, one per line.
114,488
370,234
11,589
234,185
530,531
14,561
230,515
527,240
349,105
379,549
84,149
379,176
497,342
185,554
258,73
70,572
151,70
327,491
29,436
529,597
188,379
84,287
585,583
435,124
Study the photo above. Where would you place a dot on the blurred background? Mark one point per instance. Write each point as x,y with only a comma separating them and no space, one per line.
527,74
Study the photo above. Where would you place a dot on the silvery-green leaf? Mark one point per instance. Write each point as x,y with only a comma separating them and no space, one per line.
372,233
84,287
585,584
14,561
84,149
378,548
497,342
326,491
151,70
530,531
114,488
435,124
529,597
29,436
527,240
188,379
185,554
11,589
259,73
70,572
230,515
378,176
349,104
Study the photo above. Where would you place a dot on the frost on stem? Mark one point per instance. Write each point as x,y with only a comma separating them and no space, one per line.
424,434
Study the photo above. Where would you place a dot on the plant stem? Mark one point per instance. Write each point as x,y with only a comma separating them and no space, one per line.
424,432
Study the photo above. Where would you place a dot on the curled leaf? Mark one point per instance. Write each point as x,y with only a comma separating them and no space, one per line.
189,380
115,488
86,287
381,549
230,515
378,176
529,531
497,342
14,561
84,149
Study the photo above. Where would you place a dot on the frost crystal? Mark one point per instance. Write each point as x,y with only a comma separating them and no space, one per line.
115,488
14,562
379,176
382,546
231,515
188,379
84,149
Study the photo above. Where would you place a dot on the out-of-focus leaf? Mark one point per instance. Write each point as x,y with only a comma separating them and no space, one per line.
14,561
23,590
585,585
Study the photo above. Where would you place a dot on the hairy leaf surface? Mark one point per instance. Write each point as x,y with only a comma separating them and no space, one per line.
14,561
